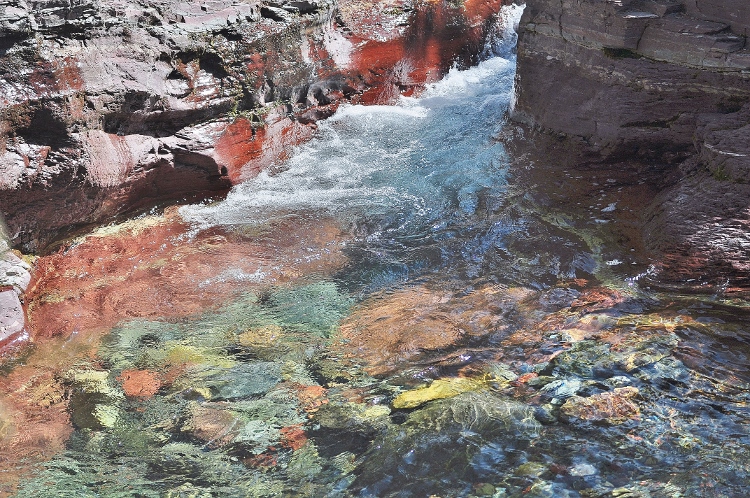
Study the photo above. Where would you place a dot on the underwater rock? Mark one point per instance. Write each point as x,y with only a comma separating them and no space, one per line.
139,383
316,308
410,460
394,329
439,389
359,417
531,469
93,400
587,359
265,336
311,398
243,380
92,284
560,390
215,425
293,437
480,411
612,407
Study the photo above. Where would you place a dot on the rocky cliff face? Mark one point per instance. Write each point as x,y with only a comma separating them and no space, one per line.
656,84
108,107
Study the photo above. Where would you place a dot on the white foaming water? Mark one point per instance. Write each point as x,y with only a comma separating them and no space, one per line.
410,160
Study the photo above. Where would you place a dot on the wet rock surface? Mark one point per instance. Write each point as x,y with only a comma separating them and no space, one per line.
651,85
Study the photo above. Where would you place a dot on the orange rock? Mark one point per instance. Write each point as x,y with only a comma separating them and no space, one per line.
311,398
140,383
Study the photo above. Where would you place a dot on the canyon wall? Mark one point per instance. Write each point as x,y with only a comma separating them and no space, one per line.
111,107
660,85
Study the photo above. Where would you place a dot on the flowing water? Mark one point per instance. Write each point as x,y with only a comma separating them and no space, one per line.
426,318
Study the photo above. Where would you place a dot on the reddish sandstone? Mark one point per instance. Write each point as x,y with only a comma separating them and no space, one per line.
246,148
400,61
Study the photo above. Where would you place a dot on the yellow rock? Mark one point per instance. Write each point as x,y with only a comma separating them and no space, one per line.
106,415
261,336
182,354
531,469
439,389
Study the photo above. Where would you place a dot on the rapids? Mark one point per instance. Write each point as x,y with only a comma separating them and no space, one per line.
399,309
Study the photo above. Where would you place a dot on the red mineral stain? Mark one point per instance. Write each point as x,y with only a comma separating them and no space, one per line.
248,147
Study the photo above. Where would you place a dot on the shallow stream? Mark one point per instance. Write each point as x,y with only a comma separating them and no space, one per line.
411,312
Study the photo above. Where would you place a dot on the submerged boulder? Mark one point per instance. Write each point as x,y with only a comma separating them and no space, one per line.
612,407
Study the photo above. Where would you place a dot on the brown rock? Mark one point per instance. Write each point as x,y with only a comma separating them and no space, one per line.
614,407
215,426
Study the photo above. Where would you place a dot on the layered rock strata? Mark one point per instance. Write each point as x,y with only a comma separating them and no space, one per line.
108,107
661,84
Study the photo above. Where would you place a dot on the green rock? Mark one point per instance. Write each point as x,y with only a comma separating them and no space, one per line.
305,464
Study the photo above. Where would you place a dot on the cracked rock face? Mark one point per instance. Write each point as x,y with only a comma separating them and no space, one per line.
112,106
658,84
